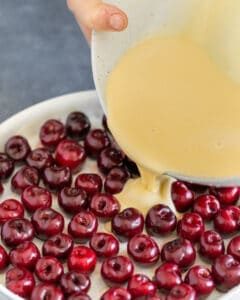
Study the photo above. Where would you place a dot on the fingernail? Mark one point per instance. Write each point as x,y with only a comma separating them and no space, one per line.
116,22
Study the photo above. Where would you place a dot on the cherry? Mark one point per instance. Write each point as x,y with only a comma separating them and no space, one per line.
70,154
167,276
197,188
10,209
110,158
17,148
128,223
226,195
49,269
47,222
20,281
39,159
89,182
140,285
26,176
16,231
207,206
227,221
200,278
34,197
95,141
51,133
131,167
211,245
226,272
72,200
82,226
117,270
59,246
25,255
104,205
104,244
77,125
179,251
79,296
82,259
116,293
160,220
4,258
115,180
234,247
56,177
6,166
48,291
182,196
143,249
75,282
182,291
191,227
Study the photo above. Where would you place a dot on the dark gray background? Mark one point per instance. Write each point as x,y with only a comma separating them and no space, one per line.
42,54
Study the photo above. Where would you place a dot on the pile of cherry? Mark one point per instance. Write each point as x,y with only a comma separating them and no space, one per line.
55,168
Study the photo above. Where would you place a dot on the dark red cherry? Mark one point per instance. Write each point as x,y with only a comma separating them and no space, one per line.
49,269
207,206
26,176
95,141
40,159
56,177
140,285
6,166
182,291
17,148
51,133
72,200
116,293
160,220
191,227
104,205
48,291
226,195
82,259
10,209
110,158
79,296
75,282
115,180
104,244
211,245
182,196
234,247
227,221
77,125
197,188
91,183
168,275
59,246
4,258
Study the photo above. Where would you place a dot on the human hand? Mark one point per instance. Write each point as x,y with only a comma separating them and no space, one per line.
96,15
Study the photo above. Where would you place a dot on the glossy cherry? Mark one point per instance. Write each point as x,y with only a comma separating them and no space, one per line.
227,221
82,226
79,296
75,282
95,141
49,269
117,270
48,291
4,258
39,159
16,231
59,246
226,272
128,223
57,177
116,293
47,222
70,154
191,227
200,278
82,259
143,249
26,176
77,125
140,285
34,197
91,183
211,245
226,195
160,220
234,247
20,281
25,255
182,196
168,275
179,251
115,180
110,158
72,200
6,166
207,206
104,244
182,291
104,205
17,148
10,209
51,133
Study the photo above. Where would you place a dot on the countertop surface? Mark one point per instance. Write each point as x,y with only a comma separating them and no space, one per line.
42,54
